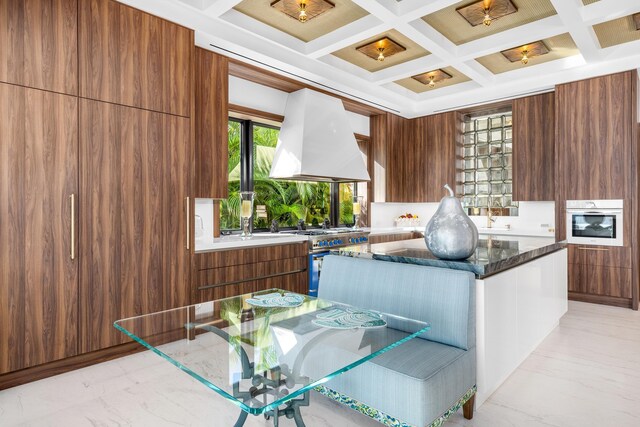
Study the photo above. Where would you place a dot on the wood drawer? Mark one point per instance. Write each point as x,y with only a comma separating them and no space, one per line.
384,238
250,255
606,256
215,277
295,282
600,280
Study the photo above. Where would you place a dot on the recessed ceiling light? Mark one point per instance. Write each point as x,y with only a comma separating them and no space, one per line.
381,49
430,78
526,52
484,12
302,10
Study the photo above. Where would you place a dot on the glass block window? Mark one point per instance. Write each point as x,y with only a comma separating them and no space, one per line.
488,164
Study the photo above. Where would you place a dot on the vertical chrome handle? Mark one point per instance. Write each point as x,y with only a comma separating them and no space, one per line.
72,202
188,223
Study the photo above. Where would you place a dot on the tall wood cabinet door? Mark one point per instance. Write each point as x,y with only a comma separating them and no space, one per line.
39,278
594,139
211,123
443,136
39,44
132,58
134,177
533,148
178,187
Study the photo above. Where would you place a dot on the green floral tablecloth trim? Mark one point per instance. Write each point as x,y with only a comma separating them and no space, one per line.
388,420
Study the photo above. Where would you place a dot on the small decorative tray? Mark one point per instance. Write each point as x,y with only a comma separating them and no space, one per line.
349,319
276,299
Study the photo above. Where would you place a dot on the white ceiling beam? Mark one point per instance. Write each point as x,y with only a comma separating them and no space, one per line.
582,35
608,10
216,8
537,30
414,9
378,9
264,31
425,35
408,69
347,35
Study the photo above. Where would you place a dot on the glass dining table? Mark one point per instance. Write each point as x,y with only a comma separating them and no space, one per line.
265,351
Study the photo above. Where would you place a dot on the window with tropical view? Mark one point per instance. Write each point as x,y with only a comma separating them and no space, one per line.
251,151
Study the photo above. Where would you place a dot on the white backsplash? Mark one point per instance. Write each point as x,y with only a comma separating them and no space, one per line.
204,210
537,218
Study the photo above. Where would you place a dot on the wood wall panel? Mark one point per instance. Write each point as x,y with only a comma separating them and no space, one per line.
38,287
133,181
211,118
534,148
594,139
377,159
39,44
131,58
421,157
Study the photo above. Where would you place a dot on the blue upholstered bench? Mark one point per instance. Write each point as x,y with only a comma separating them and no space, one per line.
425,380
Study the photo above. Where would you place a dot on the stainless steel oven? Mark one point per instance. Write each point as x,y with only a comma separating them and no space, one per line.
595,222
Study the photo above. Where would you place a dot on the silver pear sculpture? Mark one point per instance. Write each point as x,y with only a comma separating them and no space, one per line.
450,234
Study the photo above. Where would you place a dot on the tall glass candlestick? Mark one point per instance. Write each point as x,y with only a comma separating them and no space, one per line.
246,212
357,210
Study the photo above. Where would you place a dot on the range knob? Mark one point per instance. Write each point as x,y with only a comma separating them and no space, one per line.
339,241
364,239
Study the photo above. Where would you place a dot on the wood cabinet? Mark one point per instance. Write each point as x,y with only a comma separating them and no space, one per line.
38,277
211,118
594,140
534,148
421,156
394,237
38,44
596,158
227,273
135,178
132,58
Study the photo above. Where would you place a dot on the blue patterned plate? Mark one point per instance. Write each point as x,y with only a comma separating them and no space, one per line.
276,299
349,319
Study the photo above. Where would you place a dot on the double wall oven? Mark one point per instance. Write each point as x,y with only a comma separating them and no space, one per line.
595,222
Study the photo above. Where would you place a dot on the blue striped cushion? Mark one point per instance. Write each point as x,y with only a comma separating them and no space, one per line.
443,297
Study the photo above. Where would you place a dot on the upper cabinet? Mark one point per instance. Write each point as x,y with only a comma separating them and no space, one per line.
39,44
594,137
211,118
533,148
131,58
421,156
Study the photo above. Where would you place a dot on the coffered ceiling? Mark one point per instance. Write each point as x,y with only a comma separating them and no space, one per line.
585,38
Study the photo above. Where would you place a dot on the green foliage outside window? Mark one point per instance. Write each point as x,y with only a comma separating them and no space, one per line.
285,201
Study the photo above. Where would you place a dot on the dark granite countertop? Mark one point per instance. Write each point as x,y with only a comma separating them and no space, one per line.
493,255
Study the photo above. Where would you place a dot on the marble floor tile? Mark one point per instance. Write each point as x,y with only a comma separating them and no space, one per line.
585,373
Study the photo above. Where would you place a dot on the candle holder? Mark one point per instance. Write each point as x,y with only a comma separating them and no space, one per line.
357,210
246,212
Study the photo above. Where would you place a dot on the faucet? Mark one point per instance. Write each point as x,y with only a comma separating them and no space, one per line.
490,219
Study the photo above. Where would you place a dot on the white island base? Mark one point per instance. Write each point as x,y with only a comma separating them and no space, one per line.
515,311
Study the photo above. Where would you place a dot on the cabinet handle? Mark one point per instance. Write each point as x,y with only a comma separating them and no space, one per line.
188,223
582,248
72,202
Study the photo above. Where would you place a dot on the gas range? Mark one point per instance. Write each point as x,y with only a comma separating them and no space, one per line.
324,240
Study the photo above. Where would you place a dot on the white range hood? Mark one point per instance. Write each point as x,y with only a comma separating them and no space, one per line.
316,141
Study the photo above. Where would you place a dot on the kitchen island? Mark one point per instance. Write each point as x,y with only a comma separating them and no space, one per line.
521,294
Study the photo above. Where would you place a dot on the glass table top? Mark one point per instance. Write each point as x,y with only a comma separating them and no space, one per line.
260,356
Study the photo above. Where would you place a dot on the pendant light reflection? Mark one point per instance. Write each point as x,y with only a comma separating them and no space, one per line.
302,13
487,17
525,57
432,82
380,54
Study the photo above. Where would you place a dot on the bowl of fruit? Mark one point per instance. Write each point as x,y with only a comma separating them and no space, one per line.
408,220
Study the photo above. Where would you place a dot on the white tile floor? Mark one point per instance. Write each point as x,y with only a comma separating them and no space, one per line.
586,373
